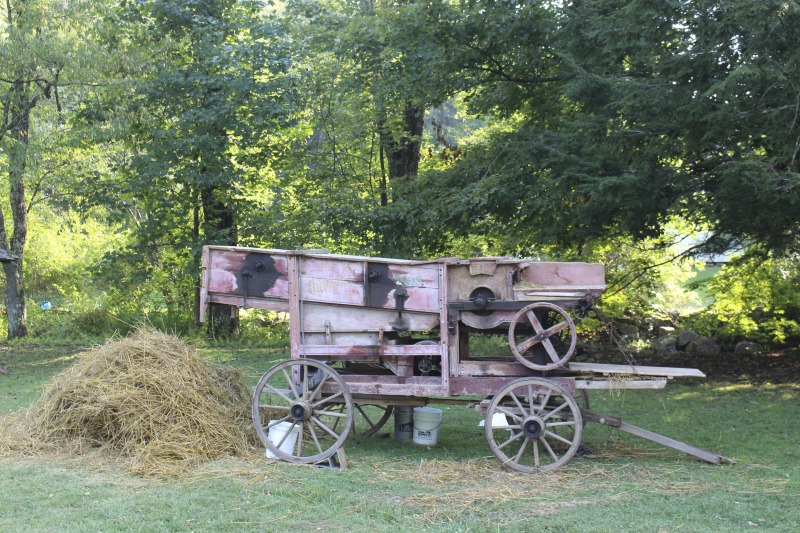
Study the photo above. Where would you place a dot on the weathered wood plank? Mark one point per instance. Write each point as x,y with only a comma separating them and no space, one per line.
546,274
555,295
332,290
665,371
705,455
616,422
354,319
604,384
330,268
411,350
203,303
375,399
416,401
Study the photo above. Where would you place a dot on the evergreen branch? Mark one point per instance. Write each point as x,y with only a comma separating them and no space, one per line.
500,71
503,77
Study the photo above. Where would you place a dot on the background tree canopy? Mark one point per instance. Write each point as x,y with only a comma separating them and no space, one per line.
620,115
613,131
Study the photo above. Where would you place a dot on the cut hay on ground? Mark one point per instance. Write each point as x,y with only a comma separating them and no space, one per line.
149,398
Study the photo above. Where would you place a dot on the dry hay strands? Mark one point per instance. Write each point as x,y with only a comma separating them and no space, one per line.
150,398
484,488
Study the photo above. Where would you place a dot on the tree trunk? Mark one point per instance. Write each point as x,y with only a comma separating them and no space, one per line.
220,227
19,107
223,321
16,310
403,154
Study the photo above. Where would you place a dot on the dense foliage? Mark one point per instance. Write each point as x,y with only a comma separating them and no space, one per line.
756,298
612,131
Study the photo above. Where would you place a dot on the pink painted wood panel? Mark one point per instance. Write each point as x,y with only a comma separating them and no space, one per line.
492,385
345,292
492,368
395,385
420,299
331,290
421,282
324,268
225,268
415,276
352,319
234,258
280,304
563,274
227,282
410,350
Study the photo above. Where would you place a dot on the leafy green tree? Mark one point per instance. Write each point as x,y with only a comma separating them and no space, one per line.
199,127
44,59
372,73
610,118
756,298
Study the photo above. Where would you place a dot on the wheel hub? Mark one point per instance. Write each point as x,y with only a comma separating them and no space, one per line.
300,411
533,427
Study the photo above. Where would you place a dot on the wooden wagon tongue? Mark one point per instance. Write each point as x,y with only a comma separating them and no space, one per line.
368,334
614,422
645,377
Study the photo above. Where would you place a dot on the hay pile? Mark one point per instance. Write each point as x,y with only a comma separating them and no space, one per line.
147,397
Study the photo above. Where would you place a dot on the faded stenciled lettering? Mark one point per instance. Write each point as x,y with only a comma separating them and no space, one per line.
315,286
333,290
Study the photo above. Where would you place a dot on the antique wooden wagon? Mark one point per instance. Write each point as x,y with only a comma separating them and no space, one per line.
368,334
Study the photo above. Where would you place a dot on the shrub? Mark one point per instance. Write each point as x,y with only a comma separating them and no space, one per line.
756,298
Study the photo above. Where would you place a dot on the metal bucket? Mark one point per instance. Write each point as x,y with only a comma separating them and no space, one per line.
403,423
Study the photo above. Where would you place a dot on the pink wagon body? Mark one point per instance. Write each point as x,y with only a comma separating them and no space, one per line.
381,316
375,333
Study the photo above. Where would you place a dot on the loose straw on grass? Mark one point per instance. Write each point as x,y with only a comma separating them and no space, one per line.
148,397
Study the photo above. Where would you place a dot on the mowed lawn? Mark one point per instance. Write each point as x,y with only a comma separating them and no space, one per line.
624,483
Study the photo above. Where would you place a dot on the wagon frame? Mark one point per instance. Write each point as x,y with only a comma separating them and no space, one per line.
383,332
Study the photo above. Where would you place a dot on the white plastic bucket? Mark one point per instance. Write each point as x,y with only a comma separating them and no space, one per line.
276,434
403,423
498,419
426,425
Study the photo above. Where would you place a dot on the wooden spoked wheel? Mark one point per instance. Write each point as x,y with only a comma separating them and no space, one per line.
533,424
313,404
367,419
370,419
542,336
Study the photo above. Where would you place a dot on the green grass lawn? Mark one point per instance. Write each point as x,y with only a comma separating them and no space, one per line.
625,483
